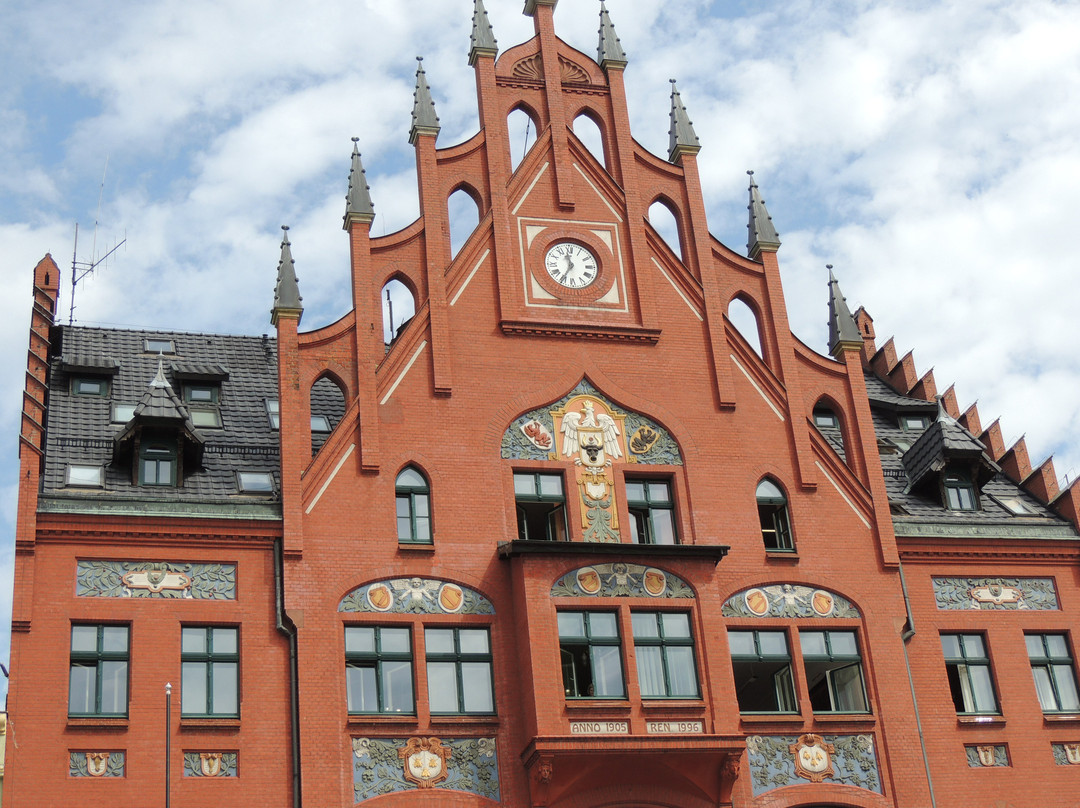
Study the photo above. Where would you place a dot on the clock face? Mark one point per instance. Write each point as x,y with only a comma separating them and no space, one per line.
571,265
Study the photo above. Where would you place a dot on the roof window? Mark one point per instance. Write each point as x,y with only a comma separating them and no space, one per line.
85,476
273,412
122,413
255,482
210,419
825,418
89,386
157,345
914,423
1015,505
320,423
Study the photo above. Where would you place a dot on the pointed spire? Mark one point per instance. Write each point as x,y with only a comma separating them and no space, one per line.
159,380
681,136
609,52
424,119
358,207
762,236
287,300
482,42
843,333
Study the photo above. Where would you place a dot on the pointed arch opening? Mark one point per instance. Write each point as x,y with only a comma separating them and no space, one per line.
327,409
398,307
463,215
588,131
773,515
664,221
412,493
826,417
745,319
521,126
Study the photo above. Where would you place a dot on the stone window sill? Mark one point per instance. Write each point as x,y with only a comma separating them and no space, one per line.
1061,718
94,722
222,724
982,720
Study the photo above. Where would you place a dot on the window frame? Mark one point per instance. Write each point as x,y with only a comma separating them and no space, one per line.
375,660
169,453
214,414
590,642
959,483
104,386
665,644
1048,662
247,488
273,412
778,511
97,660
148,346
823,412
412,495
958,673
70,483
642,511
114,415
555,517
323,419
459,659
210,659
787,703
906,425
214,389
846,661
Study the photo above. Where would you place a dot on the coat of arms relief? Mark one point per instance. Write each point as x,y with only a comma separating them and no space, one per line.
592,437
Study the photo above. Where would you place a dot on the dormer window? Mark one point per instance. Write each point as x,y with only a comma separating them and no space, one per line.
914,423
201,393
89,386
960,493
157,345
157,463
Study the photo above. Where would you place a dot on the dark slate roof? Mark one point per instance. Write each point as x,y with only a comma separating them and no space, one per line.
881,395
943,443
80,428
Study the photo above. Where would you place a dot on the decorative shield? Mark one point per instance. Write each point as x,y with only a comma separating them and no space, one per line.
654,582
379,597
643,439
1072,753
210,763
451,598
996,594
757,602
589,580
425,761
822,602
813,757
97,763
155,580
986,755
537,434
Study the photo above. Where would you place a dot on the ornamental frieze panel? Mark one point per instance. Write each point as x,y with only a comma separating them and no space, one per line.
155,579
988,756
387,765
1001,594
211,764
620,580
1066,754
789,760
96,764
788,600
415,596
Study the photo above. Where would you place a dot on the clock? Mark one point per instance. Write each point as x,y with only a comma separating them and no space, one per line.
571,265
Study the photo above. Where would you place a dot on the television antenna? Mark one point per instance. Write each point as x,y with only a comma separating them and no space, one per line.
80,269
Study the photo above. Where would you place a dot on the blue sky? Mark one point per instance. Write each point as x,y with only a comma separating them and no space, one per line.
928,150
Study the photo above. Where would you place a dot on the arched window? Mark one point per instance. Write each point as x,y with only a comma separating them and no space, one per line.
157,463
463,214
746,323
327,409
521,128
588,132
828,423
398,306
413,507
773,514
662,218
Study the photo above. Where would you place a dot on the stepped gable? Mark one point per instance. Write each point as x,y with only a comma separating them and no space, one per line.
895,388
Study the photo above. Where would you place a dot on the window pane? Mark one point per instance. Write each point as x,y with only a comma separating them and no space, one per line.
193,641
113,687
394,640
607,670
644,624
423,529
847,684
193,692
360,686
741,643
950,646
843,643
550,485
359,640
1066,688
473,641
682,677
635,492
659,492
571,624
767,490
813,643
982,690
421,503
397,688
524,485
412,478
676,625
650,667
1034,646
602,624
439,640
476,683
84,639
442,687
84,475
773,643
403,507
82,688
225,688
114,639
973,646
663,526
1055,645
224,640
1044,689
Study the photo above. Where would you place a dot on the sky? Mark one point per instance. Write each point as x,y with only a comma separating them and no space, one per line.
929,151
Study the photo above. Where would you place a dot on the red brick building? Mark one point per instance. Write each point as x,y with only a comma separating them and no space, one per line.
570,540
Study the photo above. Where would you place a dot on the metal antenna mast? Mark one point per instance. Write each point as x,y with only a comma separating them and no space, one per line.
80,269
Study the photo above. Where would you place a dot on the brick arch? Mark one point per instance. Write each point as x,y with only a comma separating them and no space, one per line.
644,796
334,371
821,795
681,223
443,797
596,117
425,571
472,193
735,588
752,303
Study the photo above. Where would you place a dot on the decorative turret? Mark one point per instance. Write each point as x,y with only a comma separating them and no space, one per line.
287,300
424,119
358,207
609,53
482,41
681,136
843,333
762,236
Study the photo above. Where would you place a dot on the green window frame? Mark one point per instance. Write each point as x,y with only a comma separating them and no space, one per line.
157,462
967,668
773,516
90,386
540,501
98,674
761,664
652,511
960,493
210,672
590,652
413,507
914,423
834,675
204,394
1055,677
379,670
664,648
459,672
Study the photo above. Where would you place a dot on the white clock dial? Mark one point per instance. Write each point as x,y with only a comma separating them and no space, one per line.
571,265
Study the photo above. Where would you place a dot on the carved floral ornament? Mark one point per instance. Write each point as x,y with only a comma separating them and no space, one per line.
415,596
425,761
620,579
813,757
788,600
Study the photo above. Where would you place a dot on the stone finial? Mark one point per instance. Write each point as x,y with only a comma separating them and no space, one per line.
530,6
762,236
843,333
287,300
681,136
609,53
482,41
424,119
358,207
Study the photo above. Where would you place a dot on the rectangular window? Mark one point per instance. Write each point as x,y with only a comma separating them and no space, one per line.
98,682
85,386
157,464
541,506
164,346
85,476
761,663
968,669
591,660
273,412
459,670
255,482
652,514
201,393
1052,666
122,413
914,423
207,419
664,649
833,671
209,672
378,670
320,423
